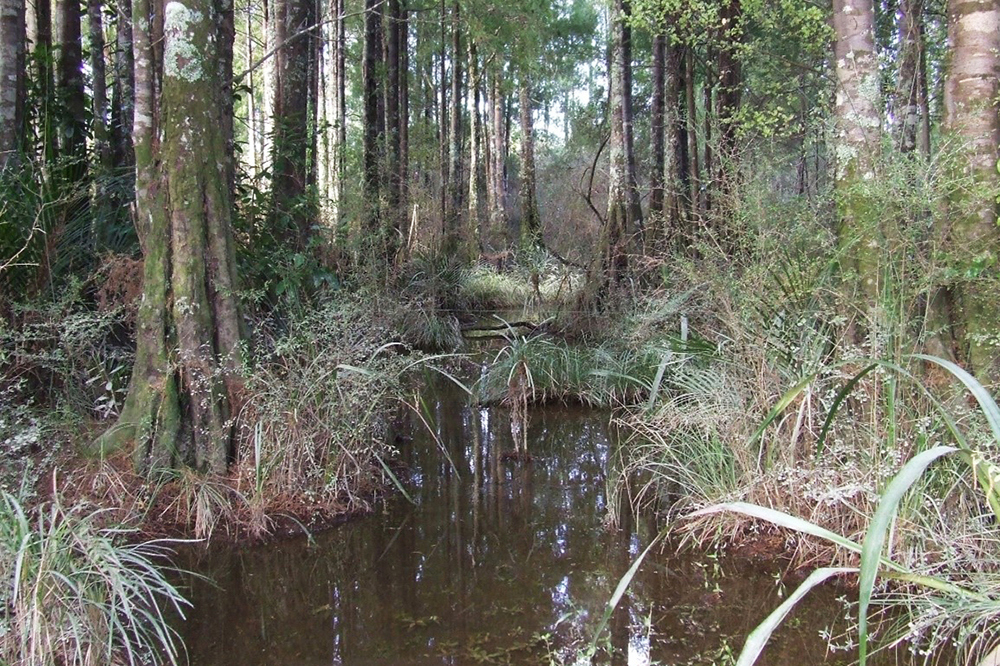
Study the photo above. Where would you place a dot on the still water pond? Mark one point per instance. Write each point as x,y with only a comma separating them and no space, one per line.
499,562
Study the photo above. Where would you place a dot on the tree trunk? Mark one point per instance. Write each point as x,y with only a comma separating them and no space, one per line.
292,216
371,130
531,224
394,217
634,221
123,93
99,89
910,101
495,198
73,122
12,63
614,256
184,388
658,173
858,137
694,165
443,154
675,175
972,84
456,240
730,89
477,170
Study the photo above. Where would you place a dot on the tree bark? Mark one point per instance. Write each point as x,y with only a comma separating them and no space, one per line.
634,219
730,89
614,255
858,137
531,224
477,168
495,175
972,84
12,92
910,98
371,130
658,103
292,216
184,388
394,217
123,93
73,122
457,240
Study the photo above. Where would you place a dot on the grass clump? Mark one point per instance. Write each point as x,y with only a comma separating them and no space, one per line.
77,593
315,429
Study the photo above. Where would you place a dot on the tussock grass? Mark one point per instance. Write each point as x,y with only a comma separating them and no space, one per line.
77,593
547,370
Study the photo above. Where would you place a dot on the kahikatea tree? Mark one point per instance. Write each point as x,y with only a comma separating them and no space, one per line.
858,135
184,386
972,86
12,45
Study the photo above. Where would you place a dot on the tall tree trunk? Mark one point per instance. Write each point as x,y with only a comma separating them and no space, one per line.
531,223
496,191
12,64
634,221
40,36
858,137
123,94
658,102
404,110
694,163
477,169
456,238
372,215
394,216
184,386
675,174
614,255
972,84
73,125
443,122
730,89
911,93
99,85
292,216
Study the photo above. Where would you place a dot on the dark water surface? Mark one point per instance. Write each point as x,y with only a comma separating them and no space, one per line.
500,562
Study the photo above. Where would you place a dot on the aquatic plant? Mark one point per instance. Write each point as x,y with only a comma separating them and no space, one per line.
77,593
967,588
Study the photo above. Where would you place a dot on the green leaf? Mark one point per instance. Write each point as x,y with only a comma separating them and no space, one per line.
871,552
759,637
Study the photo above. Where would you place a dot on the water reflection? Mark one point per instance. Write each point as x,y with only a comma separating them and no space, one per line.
500,561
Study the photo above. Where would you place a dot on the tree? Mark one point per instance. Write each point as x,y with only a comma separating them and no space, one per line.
372,128
292,22
184,389
12,64
531,224
972,85
858,134
614,256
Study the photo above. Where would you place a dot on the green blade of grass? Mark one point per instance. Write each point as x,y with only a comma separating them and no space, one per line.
781,519
761,634
623,584
983,397
871,551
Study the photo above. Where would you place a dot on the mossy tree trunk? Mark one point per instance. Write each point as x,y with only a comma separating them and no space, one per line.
12,63
614,256
293,213
185,385
971,123
857,140
531,223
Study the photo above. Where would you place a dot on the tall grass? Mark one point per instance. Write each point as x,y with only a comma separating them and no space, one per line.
966,587
77,593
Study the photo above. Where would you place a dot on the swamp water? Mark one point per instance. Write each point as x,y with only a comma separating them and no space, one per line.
499,562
